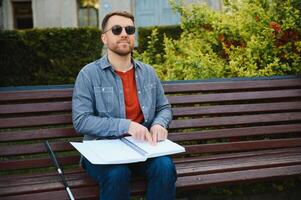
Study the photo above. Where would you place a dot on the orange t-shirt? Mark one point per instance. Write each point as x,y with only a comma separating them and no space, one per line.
132,106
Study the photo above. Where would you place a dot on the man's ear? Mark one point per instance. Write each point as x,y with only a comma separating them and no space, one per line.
104,38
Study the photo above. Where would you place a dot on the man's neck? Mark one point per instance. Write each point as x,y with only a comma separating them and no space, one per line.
120,63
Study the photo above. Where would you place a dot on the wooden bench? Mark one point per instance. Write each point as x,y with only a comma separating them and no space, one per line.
235,131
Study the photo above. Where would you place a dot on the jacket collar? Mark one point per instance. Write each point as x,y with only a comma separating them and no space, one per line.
104,63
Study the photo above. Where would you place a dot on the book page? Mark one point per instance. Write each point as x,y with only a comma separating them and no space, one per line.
165,147
109,152
92,157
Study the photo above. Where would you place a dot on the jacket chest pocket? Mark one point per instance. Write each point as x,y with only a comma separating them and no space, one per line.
150,87
150,94
104,99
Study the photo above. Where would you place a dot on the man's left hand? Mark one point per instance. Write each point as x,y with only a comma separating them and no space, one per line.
158,133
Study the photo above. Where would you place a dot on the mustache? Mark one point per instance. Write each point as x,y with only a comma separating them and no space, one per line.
121,41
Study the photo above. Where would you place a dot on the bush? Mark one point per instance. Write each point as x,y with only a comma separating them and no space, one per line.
46,56
146,32
250,38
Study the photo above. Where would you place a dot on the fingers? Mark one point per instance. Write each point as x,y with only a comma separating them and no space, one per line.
155,138
149,138
158,133
140,132
161,135
158,136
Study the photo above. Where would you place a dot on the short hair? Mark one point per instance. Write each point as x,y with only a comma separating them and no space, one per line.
119,13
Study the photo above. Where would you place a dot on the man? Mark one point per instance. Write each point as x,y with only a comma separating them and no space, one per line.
115,96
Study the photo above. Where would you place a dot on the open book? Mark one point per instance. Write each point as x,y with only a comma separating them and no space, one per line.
124,150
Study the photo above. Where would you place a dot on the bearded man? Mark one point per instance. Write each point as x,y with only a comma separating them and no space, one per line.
117,96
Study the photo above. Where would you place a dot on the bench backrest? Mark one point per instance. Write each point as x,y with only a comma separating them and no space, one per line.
210,117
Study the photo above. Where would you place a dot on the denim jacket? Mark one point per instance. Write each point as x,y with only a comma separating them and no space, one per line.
98,108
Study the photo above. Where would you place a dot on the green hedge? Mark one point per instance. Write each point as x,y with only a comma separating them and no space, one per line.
173,32
46,56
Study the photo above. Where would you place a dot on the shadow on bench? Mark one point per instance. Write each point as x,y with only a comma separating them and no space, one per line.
234,131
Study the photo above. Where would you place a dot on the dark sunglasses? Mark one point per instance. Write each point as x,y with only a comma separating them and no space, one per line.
117,29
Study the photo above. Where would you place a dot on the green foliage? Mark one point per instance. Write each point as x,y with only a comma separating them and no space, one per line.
250,38
152,55
151,44
46,56
145,33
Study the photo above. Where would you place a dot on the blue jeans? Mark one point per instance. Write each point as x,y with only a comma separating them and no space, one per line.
114,180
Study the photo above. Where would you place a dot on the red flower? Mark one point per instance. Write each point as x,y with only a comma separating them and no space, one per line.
275,26
221,38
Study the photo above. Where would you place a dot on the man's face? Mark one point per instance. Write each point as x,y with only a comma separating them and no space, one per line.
122,44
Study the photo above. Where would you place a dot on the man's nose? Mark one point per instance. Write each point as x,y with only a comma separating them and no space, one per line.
123,33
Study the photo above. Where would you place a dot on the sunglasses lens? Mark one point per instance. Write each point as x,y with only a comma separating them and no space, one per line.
130,30
116,30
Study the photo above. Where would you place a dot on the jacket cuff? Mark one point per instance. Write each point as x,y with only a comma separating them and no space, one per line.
124,125
164,125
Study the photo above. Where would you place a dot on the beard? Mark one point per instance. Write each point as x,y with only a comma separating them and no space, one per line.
122,48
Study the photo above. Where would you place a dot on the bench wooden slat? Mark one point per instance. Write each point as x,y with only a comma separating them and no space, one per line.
201,181
35,121
36,94
169,88
174,136
220,157
235,96
243,146
238,164
25,149
236,109
230,85
235,120
235,132
53,183
38,134
84,193
37,163
12,179
187,111
35,107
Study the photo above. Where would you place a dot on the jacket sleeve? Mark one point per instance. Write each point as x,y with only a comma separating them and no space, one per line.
83,112
163,113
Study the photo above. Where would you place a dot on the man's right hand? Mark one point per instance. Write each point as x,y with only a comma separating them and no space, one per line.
140,132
